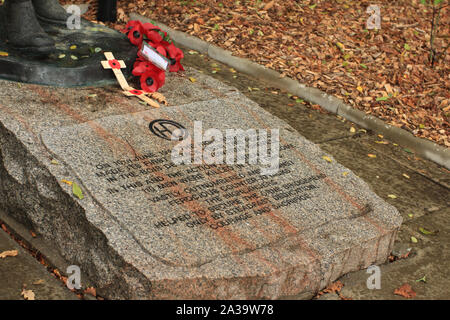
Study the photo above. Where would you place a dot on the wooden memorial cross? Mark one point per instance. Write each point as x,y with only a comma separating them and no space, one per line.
116,66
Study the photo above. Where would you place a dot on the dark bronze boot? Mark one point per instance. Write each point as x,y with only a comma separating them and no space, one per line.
24,31
50,11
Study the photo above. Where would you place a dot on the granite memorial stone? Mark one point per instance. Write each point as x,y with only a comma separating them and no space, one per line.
148,228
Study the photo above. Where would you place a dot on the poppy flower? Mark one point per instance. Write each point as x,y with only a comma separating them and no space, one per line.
152,80
141,67
153,33
174,55
130,25
136,92
161,50
114,64
135,33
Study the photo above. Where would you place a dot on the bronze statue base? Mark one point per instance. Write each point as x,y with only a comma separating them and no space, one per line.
76,60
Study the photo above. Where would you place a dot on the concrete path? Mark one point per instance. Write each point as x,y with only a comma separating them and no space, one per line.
25,271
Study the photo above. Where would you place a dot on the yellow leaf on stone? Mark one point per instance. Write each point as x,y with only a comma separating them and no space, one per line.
382,142
9,253
327,158
193,80
360,89
370,155
76,190
67,182
425,231
73,47
27,294
414,240
345,173
4,54
392,196
406,176
380,136
352,130
55,162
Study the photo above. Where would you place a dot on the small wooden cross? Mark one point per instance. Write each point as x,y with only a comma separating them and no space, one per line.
116,66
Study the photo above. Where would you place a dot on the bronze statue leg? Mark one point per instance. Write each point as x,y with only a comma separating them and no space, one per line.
24,31
50,11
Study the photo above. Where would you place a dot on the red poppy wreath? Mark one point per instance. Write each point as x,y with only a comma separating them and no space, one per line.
152,78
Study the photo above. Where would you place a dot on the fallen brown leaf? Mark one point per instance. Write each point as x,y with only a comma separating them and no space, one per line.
269,5
405,291
10,253
91,291
335,287
57,273
28,294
